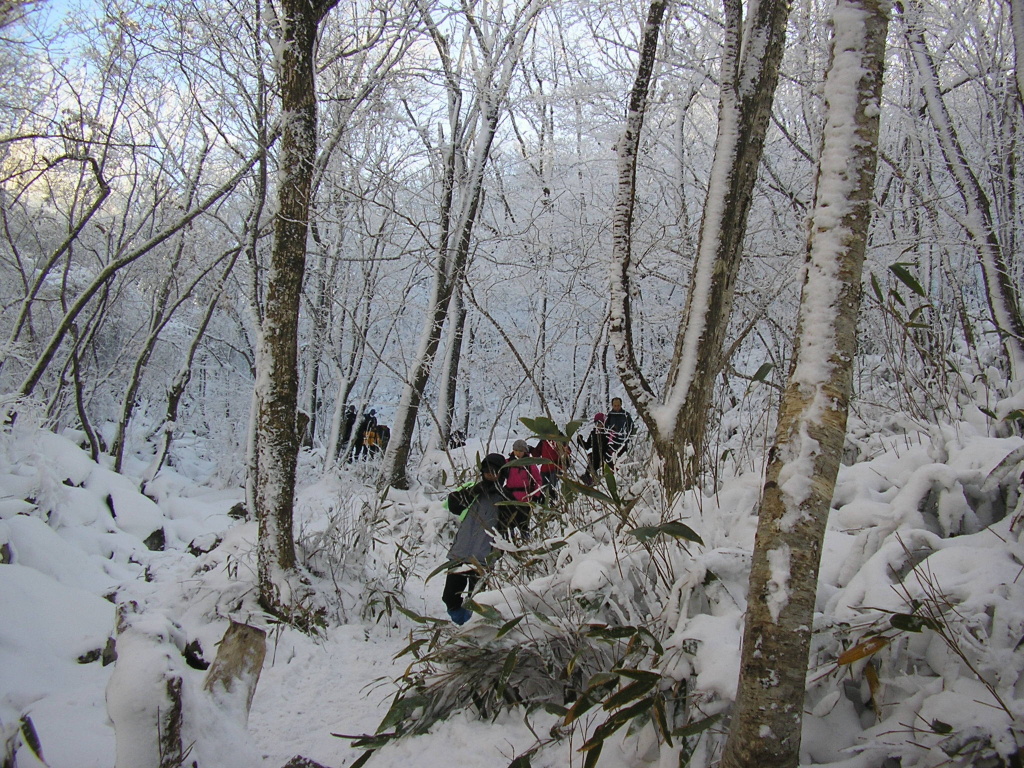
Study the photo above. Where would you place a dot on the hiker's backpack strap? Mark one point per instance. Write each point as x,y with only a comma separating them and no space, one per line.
461,499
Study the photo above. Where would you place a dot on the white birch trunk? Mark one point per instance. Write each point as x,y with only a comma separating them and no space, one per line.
804,462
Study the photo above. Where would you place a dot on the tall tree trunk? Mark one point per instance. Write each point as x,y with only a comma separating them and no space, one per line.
750,70
277,371
450,369
804,461
999,289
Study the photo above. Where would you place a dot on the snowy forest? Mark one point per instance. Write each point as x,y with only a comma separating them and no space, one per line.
281,281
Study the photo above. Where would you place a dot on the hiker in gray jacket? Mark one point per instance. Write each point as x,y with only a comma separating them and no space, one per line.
473,547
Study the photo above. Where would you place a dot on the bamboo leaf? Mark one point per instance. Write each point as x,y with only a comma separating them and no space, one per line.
487,611
28,731
762,373
877,288
412,647
416,617
609,633
871,675
692,729
638,674
602,732
507,669
442,568
546,429
362,759
673,528
602,679
661,719
609,481
654,643
582,705
527,461
623,716
913,316
904,276
366,740
863,649
508,626
630,693
592,756
586,490
401,708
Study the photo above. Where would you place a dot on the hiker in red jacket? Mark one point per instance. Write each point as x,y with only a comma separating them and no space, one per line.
557,455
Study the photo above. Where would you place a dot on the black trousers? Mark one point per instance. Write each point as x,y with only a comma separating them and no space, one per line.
455,585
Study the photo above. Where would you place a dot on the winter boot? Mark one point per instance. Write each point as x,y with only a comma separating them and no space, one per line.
460,615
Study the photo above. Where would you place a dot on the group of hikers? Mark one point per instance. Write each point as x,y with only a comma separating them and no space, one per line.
369,438
501,501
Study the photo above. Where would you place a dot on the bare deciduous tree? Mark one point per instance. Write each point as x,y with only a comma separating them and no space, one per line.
750,67
978,220
496,43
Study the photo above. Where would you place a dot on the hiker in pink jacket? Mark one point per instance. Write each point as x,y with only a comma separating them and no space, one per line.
524,484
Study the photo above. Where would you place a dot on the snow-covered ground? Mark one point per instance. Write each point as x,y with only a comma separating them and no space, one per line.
918,652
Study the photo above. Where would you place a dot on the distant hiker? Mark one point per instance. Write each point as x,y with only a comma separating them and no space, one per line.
557,455
473,547
348,422
598,450
369,421
381,437
620,427
524,484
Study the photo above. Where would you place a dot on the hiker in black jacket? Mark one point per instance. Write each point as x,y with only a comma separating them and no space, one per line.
598,447
473,548
620,428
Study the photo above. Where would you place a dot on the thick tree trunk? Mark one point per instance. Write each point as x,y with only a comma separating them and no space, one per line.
803,464
744,115
277,374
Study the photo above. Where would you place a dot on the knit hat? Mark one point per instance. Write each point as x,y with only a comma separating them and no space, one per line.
599,418
520,445
492,462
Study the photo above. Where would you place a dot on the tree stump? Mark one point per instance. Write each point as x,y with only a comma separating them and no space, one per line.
236,670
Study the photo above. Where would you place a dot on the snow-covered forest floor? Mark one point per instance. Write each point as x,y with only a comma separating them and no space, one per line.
917,657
